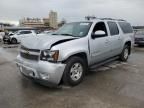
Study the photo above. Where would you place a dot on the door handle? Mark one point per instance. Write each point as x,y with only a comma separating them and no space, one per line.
119,38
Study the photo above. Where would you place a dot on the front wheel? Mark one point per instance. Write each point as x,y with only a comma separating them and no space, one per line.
125,53
14,41
74,71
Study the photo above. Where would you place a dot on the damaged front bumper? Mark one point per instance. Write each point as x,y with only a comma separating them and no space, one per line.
43,72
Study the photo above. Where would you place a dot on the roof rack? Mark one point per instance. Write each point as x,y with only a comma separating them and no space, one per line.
92,18
112,19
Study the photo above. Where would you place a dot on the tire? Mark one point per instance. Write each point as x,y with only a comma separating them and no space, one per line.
74,72
125,53
14,41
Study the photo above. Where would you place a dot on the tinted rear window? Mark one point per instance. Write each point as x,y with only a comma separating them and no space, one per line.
25,32
113,28
126,27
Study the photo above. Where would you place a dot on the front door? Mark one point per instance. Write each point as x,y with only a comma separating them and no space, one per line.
99,46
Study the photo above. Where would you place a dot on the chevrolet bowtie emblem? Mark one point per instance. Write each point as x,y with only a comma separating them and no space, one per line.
27,52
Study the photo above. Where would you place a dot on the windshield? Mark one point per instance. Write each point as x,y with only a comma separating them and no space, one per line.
76,29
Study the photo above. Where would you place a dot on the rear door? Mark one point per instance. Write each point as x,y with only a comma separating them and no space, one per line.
115,38
127,31
27,33
19,35
23,34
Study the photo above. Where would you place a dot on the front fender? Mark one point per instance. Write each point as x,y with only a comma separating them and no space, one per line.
71,48
67,55
15,37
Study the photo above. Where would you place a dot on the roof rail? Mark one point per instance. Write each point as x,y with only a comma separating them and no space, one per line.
112,19
92,18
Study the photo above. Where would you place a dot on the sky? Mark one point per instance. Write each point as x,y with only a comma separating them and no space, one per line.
73,10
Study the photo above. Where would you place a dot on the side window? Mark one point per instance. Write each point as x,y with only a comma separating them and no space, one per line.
100,26
27,32
24,32
126,27
21,32
113,28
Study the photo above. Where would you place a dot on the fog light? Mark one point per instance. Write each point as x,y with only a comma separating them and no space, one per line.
20,68
44,76
32,74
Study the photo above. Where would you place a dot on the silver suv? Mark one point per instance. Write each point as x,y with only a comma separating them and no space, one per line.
66,55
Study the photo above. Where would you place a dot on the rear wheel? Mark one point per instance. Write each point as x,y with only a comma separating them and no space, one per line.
125,53
74,71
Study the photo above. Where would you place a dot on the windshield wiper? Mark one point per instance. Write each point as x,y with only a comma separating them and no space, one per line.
55,34
64,34
67,34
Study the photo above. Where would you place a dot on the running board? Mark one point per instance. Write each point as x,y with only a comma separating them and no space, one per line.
93,67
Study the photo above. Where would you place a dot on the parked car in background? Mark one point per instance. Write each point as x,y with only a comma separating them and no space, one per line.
45,33
18,36
66,55
11,33
139,37
1,36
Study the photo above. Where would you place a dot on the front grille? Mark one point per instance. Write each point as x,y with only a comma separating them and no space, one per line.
27,49
28,56
31,54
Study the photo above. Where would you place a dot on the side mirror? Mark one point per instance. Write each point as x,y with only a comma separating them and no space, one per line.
98,33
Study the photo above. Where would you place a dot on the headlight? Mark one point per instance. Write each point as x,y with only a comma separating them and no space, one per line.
47,55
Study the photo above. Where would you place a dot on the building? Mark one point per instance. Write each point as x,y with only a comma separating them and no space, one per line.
31,22
53,19
50,22
60,24
46,22
3,25
13,29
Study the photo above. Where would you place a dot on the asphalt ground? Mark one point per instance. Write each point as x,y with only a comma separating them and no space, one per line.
114,85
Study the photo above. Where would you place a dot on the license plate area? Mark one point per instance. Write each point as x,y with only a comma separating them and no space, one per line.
28,71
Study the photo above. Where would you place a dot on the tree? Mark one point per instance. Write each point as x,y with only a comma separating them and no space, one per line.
63,21
90,17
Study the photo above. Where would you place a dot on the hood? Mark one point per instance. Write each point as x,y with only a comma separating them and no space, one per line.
45,42
14,35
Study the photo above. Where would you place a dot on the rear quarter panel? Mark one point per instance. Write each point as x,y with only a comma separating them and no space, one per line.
126,37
